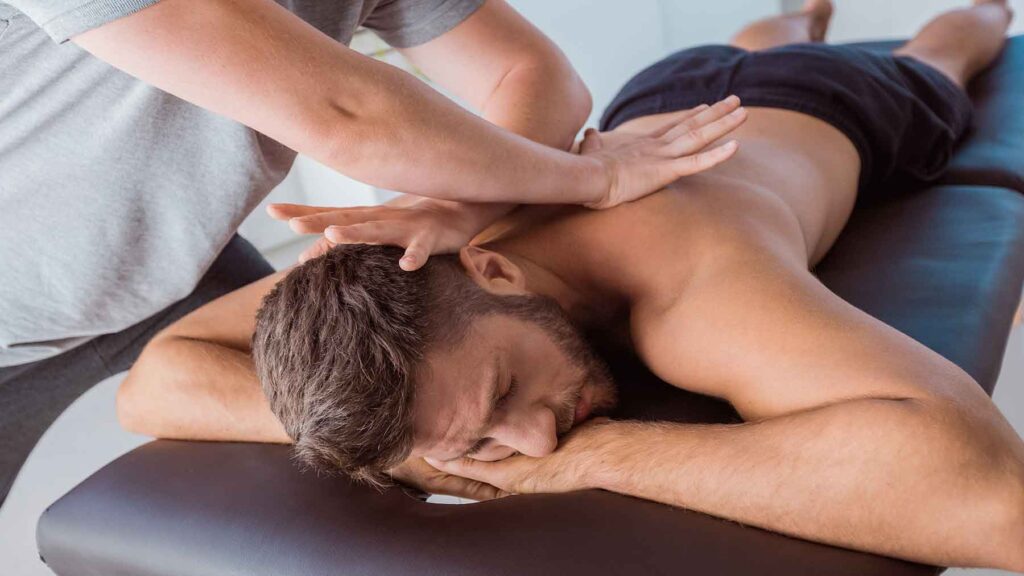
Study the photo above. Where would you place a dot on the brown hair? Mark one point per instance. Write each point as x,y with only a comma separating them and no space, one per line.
338,342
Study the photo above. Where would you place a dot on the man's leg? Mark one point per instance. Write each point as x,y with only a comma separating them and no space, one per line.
33,395
808,25
961,43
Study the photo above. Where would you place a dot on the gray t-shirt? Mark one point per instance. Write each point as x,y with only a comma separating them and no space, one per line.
115,197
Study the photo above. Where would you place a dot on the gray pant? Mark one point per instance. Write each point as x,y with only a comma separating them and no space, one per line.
33,395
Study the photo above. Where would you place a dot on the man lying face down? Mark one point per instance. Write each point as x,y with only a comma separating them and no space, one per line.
473,368
367,365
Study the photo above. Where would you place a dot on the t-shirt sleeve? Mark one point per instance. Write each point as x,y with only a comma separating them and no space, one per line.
405,23
63,19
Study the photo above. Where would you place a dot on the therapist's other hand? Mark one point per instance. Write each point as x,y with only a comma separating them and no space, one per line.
639,163
422,226
417,473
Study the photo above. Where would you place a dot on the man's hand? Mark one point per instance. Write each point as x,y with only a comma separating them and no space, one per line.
571,467
423,226
640,163
417,473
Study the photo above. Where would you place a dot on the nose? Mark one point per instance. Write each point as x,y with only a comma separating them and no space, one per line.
533,434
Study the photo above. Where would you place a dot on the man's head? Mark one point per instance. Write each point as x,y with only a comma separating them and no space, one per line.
366,365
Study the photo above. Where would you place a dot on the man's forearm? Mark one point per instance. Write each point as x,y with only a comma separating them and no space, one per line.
189,389
259,64
885,476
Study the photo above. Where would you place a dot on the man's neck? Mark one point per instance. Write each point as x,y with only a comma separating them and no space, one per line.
587,303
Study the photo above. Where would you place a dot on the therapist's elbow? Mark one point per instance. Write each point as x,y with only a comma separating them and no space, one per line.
582,101
575,100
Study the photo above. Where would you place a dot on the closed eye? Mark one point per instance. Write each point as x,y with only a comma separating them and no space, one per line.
513,387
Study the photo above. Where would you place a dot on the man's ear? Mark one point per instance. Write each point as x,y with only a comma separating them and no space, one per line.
492,271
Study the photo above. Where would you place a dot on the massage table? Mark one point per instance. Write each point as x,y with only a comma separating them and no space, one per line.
944,265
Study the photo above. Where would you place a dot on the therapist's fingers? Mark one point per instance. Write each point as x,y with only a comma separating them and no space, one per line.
283,211
377,232
694,163
319,248
675,118
317,223
416,254
591,141
695,140
711,114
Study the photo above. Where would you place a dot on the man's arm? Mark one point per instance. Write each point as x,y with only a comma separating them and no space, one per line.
195,379
259,64
856,435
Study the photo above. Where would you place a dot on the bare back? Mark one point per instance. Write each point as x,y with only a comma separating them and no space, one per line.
713,276
794,180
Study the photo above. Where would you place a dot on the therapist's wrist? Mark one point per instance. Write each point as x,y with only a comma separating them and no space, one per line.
591,181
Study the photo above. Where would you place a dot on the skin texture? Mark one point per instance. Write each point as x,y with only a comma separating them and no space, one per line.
854,434
376,123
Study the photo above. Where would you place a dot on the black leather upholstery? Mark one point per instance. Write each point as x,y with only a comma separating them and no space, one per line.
945,266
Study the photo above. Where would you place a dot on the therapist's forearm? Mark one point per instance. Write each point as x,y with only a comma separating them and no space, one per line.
545,102
257,63
886,476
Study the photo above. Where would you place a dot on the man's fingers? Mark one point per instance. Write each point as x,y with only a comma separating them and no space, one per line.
702,161
465,468
462,488
696,140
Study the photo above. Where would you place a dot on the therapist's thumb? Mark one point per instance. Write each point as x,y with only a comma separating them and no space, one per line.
591,141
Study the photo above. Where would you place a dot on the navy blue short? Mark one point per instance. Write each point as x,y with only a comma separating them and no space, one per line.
903,116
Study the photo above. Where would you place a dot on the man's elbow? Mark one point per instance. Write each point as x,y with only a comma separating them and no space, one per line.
129,409
987,457
138,392
1012,528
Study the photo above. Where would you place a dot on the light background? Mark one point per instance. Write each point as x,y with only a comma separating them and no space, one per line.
607,41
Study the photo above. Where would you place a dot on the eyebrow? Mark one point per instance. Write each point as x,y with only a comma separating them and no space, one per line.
492,406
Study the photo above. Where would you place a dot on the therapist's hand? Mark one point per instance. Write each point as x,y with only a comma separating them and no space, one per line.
422,226
639,163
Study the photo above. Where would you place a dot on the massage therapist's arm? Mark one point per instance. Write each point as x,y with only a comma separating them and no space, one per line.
516,78
195,380
257,63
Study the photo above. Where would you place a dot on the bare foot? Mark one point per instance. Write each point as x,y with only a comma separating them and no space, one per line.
820,14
